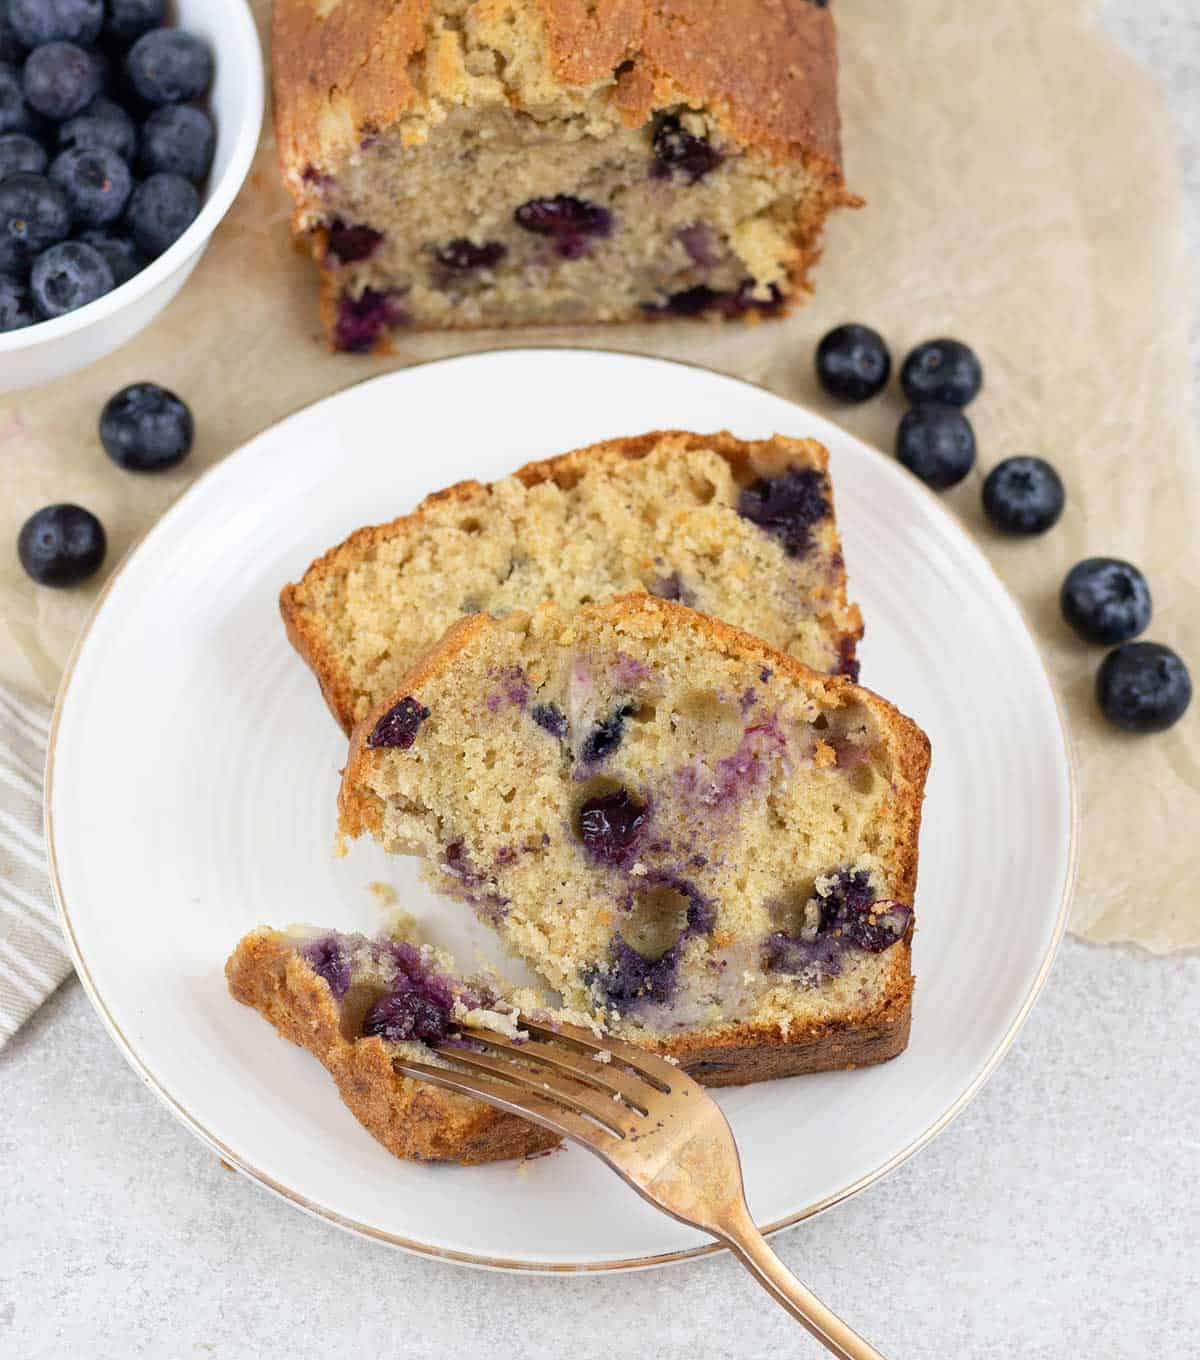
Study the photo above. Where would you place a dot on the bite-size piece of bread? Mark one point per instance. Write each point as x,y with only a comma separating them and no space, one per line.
357,1003
693,837
463,163
741,529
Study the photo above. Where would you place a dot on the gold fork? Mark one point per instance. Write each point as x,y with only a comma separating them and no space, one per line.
658,1129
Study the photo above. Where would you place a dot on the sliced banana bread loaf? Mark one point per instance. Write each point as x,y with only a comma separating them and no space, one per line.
459,163
743,530
356,1004
690,835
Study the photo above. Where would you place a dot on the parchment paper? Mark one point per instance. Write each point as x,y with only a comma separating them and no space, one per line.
1022,195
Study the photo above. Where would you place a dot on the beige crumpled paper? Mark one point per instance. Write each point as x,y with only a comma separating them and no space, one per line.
1022,194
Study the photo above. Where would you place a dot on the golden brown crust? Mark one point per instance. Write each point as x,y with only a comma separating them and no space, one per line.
743,455
411,1119
767,69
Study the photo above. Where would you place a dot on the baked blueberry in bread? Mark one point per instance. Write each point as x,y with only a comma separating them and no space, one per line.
743,530
465,163
691,836
357,1003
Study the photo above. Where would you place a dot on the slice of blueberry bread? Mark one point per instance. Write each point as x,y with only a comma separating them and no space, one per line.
357,1003
743,530
464,163
693,837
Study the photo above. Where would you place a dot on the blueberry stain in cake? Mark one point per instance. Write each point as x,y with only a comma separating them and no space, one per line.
329,958
609,825
849,916
629,978
571,222
550,718
627,671
399,725
349,244
462,255
731,303
606,736
734,775
473,885
670,587
363,321
677,149
514,687
848,663
787,506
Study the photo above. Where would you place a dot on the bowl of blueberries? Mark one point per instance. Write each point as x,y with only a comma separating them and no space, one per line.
127,128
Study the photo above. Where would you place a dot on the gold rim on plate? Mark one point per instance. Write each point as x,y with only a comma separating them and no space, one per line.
493,1262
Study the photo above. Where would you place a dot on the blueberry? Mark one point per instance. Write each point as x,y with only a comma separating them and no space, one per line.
410,1012
69,276
606,735
169,66
12,49
129,19
945,371
676,149
462,255
97,184
787,506
1023,496
145,428
853,363
351,244
610,824
180,139
15,113
936,443
33,215
550,718
61,545
363,320
570,221
329,959
118,249
1143,687
629,978
35,22
16,307
1105,600
61,79
160,210
102,124
399,725
20,154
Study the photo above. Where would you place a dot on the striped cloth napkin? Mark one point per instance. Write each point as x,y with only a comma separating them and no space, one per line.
33,960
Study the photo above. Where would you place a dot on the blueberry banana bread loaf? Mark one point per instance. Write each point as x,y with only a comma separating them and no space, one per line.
462,163
743,530
694,838
357,1004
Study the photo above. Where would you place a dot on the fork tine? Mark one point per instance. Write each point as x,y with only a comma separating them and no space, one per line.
541,1081
584,1067
516,1101
657,1071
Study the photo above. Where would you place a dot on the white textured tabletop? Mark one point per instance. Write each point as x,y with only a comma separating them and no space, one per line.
1058,1216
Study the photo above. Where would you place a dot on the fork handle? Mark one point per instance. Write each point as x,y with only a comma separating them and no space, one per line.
739,1232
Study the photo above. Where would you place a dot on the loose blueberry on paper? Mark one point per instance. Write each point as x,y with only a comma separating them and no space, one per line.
1023,496
1106,600
1143,687
92,91
145,428
853,363
937,444
61,545
945,371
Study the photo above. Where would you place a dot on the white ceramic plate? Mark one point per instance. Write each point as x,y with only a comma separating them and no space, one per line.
194,767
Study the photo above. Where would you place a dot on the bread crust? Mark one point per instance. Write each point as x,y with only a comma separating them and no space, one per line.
739,1054
410,1118
766,69
745,457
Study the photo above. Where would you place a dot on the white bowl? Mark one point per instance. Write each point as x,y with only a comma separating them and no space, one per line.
51,349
